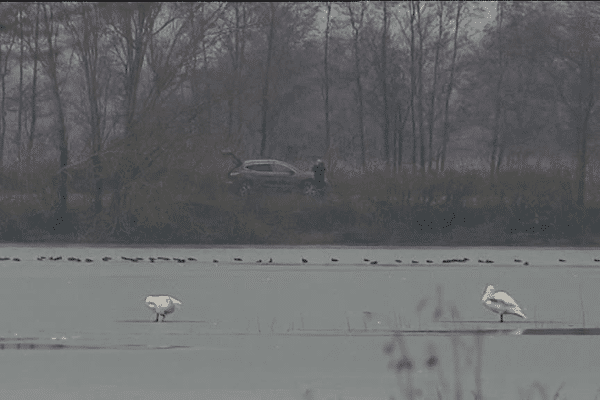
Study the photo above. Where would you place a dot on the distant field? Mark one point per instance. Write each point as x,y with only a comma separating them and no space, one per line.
291,329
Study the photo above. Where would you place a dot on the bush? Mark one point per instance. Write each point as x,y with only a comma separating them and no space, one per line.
376,207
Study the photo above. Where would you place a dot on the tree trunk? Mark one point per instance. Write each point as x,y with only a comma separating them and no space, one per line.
449,89
498,110
238,92
207,84
413,84
386,119
31,135
234,62
265,92
2,106
585,106
62,129
20,110
4,66
356,26
136,27
326,83
394,145
420,90
91,66
207,95
400,136
86,42
434,85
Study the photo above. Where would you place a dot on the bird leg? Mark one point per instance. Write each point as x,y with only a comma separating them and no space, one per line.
156,320
164,315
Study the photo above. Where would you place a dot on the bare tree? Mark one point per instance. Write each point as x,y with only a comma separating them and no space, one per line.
438,45
576,70
51,31
235,40
400,118
409,32
420,65
413,81
326,79
199,26
384,89
232,42
20,89
33,48
7,40
357,21
404,89
132,26
450,85
266,82
86,28
498,95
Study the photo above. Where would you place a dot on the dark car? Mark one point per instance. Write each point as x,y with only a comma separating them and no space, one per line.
275,175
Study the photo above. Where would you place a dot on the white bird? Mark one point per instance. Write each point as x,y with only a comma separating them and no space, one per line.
500,302
162,305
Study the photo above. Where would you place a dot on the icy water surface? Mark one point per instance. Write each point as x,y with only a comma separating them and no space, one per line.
277,329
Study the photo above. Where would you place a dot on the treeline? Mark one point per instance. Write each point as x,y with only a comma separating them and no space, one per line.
113,115
531,207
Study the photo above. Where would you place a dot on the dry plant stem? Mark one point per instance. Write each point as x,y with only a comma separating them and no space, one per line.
442,380
409,380
457,384
558,391
581,301
479,366
540,389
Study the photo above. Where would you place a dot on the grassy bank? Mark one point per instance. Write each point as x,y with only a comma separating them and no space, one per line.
525,207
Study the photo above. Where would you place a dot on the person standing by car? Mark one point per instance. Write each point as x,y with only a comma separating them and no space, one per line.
319,171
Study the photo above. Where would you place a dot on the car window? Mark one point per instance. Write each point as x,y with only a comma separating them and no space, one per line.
260,167
282,169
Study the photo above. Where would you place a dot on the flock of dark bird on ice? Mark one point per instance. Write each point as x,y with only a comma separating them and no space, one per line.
304,260
499,302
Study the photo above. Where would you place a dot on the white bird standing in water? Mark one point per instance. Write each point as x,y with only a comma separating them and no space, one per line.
501,303
163,305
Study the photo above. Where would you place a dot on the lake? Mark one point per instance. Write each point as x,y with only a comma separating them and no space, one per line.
294,329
